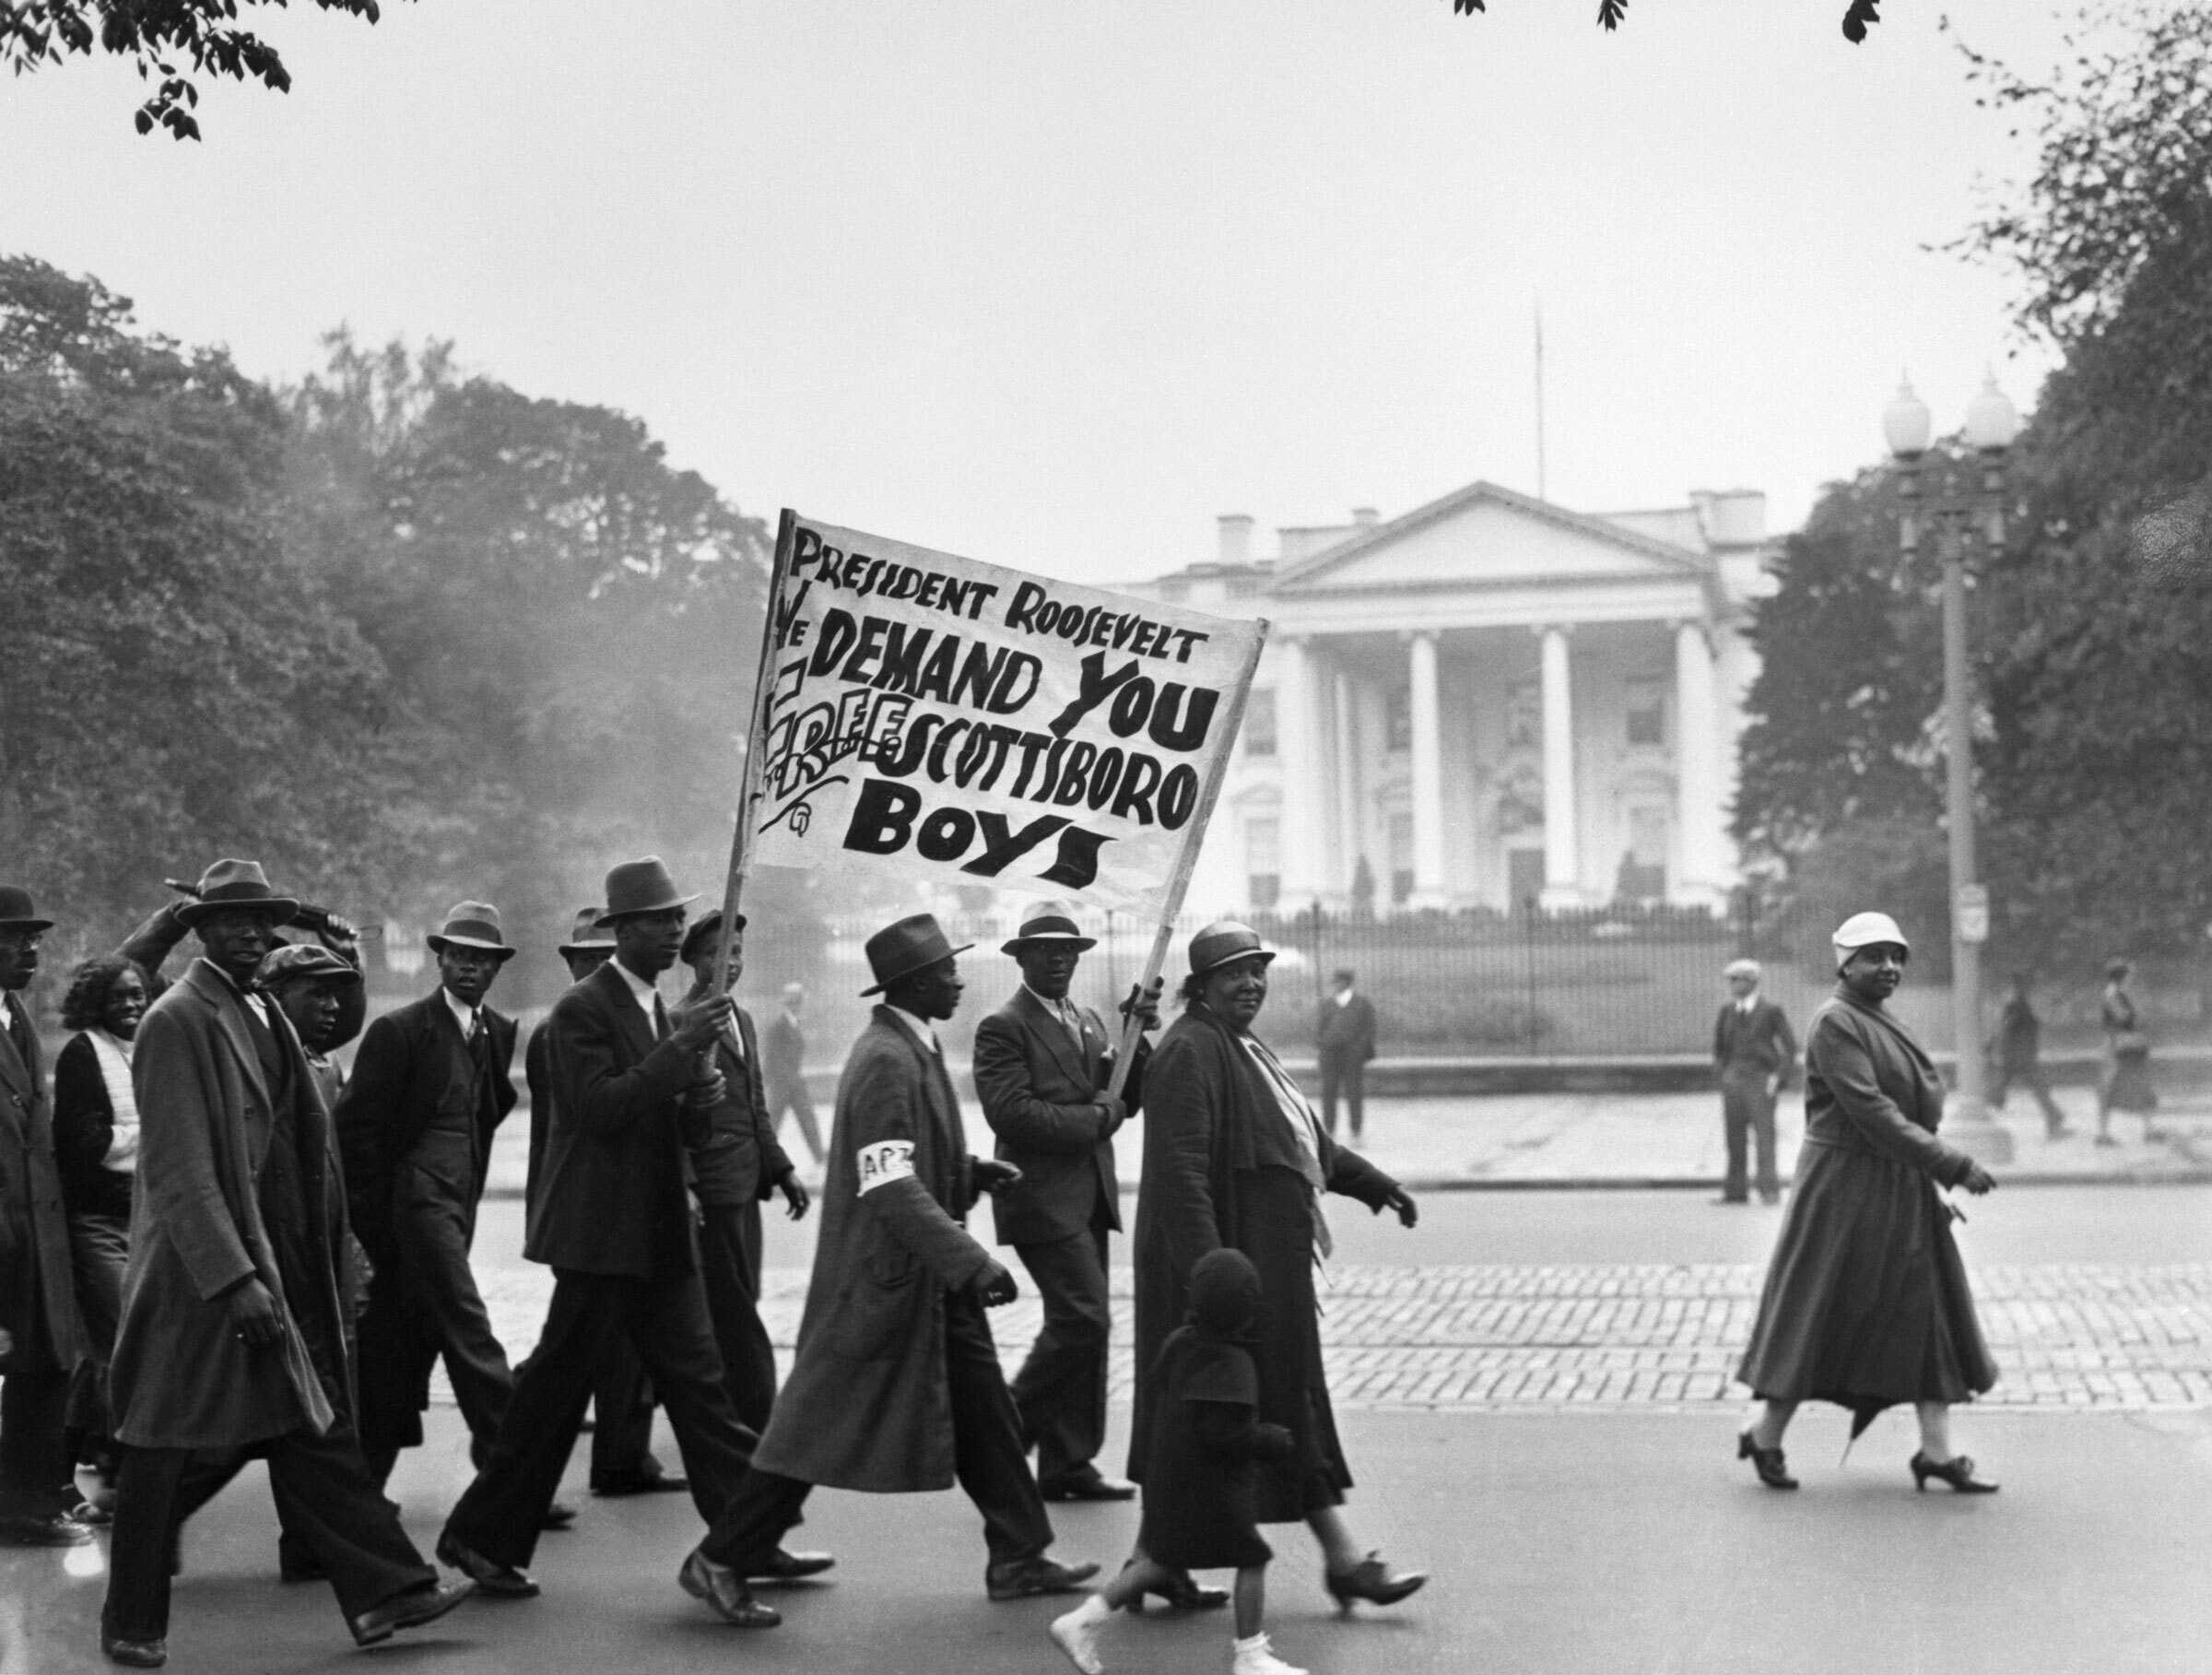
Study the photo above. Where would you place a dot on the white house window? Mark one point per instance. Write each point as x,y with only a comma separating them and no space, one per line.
1646,712
1263,861
1259,722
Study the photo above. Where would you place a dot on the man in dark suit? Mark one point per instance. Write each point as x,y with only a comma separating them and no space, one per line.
1756,1056
897,1387
1042,1066
232,1341
736,1165
632,1080
622,1404
430,1084
784,1070
1346,1034
40,1334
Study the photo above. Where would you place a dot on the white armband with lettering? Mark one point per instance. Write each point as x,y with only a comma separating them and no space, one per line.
884,1161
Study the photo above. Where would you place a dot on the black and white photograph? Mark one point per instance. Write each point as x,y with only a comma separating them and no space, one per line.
1348,838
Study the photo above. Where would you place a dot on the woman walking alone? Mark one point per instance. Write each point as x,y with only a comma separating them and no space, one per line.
1866,1301
2125,1083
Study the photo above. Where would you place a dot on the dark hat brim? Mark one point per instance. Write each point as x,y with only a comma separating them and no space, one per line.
566,949
1077,944
649,907
437,942
1265,956
26,923
282,908
884,983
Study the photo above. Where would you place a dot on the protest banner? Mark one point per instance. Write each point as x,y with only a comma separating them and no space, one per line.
932,717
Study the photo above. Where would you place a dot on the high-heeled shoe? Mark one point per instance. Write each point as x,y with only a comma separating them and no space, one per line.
1773,1471
1372,1581
1958,1471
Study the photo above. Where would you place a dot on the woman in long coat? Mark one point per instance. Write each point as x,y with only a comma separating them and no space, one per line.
1866,1301
2125,1083
1235,1156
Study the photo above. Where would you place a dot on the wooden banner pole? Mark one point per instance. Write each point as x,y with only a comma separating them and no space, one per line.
1186,862
749,793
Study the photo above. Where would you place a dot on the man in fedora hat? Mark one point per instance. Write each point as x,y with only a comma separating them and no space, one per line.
42,1336
622,1404
430,1084
736,1164
232,1340
897,1386
631,1080
1042,1066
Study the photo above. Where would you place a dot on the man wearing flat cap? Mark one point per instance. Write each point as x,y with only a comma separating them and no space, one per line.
1042,1064
632,1079
232,1340
41,1335
897,1387
431,1082
1756,1054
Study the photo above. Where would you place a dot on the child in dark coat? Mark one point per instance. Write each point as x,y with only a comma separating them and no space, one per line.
1199,1506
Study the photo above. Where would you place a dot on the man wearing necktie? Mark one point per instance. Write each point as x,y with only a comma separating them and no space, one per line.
1042,1066
1756,1054
632,1079
430,1084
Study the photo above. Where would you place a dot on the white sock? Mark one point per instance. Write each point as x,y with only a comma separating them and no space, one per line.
1254,1644
1092,1612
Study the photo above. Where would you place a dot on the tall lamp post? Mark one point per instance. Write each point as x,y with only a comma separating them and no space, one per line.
1959,513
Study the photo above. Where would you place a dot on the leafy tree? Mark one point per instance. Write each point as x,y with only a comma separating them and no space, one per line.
158,36
174,688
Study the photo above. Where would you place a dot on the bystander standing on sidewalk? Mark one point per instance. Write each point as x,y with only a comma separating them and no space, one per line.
1756,1056
2126,1082
2016,1056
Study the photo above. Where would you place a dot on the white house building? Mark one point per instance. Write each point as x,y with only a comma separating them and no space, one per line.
1487,701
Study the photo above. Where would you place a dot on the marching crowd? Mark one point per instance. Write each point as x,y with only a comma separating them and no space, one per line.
215,1247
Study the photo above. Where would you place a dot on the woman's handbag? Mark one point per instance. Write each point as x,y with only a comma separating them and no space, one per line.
2130,1043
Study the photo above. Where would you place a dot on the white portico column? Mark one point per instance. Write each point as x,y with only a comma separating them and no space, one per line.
1697,769
1563,865
1427,765
1350,798
1298,748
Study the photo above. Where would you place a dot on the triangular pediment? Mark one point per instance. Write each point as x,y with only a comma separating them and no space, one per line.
1484,534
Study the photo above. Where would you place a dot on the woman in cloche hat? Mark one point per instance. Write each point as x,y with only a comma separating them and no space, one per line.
1866,1301
1236,1156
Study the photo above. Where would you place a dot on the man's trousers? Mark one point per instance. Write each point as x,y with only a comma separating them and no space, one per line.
1060,1393
988,1459
666,1321
326,1501
1747,1114
1340,1073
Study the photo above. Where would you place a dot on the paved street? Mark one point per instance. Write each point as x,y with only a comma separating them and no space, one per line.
1537,1406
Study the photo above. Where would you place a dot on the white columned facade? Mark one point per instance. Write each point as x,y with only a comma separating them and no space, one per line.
1697,770
1563,862
1350,801
1427,764
1298,748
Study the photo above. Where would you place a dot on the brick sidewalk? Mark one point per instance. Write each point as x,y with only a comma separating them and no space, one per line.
2073,1337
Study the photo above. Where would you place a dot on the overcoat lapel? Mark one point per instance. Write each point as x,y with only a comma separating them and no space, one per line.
229,1008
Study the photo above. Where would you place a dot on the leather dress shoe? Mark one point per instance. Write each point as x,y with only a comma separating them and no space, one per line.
641,1483
1372,1581
43,1530
1085,1486
499,1581
1027,1578
1181,1592
411,1609
784,1566
724,1592
134,1654
558,1515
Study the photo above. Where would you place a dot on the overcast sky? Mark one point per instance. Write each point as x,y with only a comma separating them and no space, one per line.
1052,283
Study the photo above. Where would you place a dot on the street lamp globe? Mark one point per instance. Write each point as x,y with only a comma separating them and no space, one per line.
1905,424
1992,421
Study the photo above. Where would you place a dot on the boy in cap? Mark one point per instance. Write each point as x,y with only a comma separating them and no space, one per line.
1756,1056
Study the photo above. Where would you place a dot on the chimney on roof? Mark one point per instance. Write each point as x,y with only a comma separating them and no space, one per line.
1365,517
1733,517
1236,537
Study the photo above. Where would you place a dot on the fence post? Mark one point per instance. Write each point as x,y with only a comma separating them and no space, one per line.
1531,908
